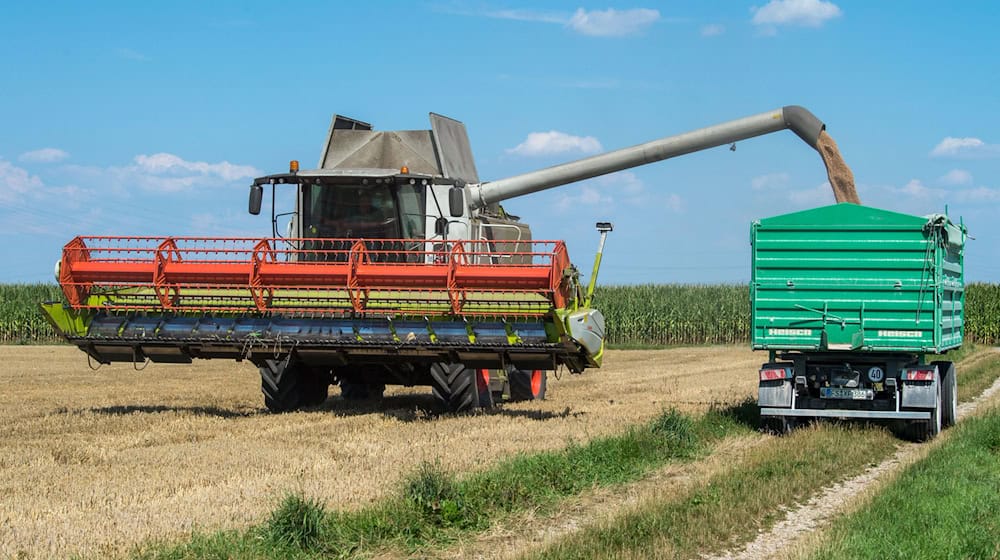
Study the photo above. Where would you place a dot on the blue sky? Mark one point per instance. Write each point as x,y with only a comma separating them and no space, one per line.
151,117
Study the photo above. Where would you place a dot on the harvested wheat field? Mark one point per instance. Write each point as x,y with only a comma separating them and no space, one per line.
94,462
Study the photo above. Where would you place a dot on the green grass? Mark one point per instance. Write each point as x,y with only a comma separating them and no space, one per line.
977,377
735,504
944,506
435,507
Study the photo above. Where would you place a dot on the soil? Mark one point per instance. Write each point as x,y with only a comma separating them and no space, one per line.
96,462
840,175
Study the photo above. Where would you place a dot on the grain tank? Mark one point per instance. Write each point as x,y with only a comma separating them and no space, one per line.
850,301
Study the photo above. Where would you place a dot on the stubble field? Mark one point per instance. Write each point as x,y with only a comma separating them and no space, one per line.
94,462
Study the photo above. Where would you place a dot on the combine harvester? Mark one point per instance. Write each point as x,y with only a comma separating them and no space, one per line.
400,267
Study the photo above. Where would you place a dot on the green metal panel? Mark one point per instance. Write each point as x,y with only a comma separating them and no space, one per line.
850,277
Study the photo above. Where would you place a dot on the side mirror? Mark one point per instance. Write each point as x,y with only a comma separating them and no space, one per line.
456,202
441,226
256,195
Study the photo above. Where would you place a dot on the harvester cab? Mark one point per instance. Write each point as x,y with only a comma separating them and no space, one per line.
407,184
399,267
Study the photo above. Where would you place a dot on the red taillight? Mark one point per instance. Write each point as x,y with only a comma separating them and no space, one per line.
773,373
922,374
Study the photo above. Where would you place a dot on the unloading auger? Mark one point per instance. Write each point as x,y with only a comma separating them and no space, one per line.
399,267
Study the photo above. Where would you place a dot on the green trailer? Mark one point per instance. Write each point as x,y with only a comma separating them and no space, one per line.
848,300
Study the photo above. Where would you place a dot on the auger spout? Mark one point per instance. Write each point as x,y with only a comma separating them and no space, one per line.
797,119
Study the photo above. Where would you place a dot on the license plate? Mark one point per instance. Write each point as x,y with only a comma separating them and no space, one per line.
849,394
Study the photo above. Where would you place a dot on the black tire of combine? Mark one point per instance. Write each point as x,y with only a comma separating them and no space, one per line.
949,393
281,384
288,385
315,386
454,385
354,391
526,384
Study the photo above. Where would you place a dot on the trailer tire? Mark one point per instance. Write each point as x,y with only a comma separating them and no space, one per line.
526,384
949,393
779,425
281,384
455,386
926,430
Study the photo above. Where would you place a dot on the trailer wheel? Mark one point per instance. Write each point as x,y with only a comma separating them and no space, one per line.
779,425
527,385
949,393
280,383
925,430
455,386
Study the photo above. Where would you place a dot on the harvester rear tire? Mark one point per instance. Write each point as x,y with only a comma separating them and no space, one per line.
281,383
455,386
526,384
949,393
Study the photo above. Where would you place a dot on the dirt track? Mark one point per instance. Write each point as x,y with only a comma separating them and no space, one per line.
95,462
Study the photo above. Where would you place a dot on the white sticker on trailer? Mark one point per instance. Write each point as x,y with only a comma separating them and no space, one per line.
901,334
789,332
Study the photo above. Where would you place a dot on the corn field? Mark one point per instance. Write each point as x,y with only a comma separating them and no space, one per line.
646,315
21,320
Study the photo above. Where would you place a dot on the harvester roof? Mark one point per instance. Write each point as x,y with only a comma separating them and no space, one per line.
335,176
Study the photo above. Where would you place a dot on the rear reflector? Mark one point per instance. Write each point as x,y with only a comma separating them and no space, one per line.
922,374
771,374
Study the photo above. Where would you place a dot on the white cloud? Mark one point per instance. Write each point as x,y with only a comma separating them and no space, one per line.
967,148
555,142
956,177
805,13
16,182
44,155
770,181
675,203
817,196
593,84
583,195
979,195
595,23
130,54
163,163
712,30
917,189
528,15
625,181
611,22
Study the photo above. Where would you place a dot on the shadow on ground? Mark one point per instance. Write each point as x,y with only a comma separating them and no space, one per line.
121,410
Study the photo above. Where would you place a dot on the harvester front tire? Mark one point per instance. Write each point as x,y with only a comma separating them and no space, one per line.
281,384
526,384
315,387
455,386
949,393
